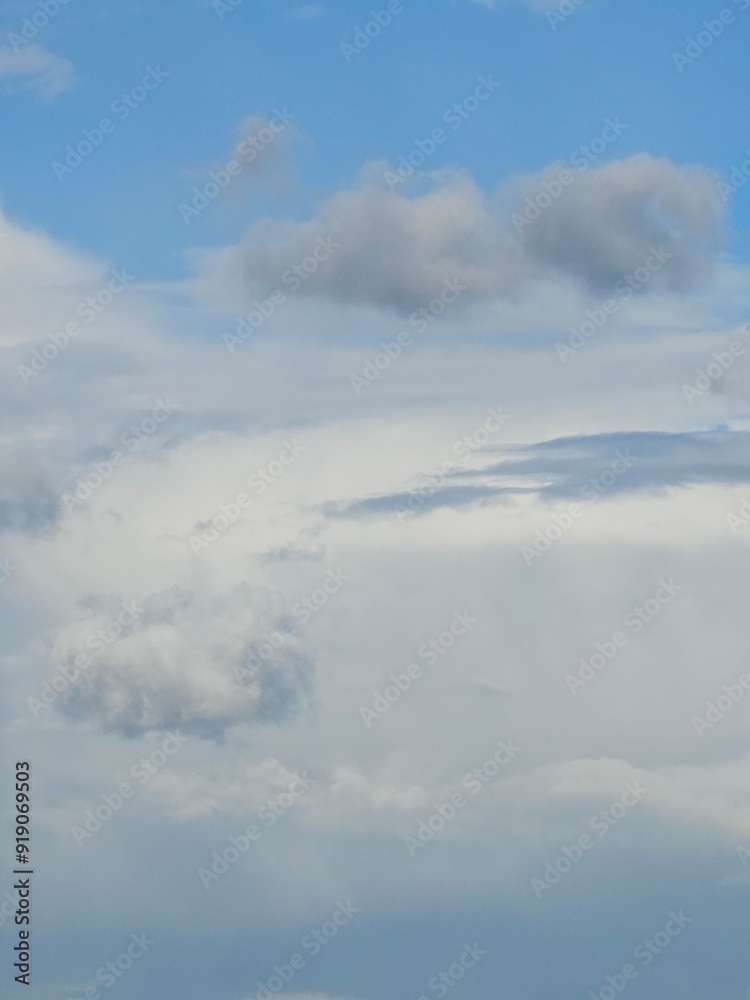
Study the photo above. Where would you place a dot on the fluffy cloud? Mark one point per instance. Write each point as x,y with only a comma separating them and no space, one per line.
608,221
395,251
198,664
388,250
35,69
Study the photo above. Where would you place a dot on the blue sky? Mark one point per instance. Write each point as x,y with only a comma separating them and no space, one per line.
344,480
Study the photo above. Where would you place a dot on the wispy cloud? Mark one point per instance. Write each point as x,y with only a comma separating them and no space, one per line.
37,70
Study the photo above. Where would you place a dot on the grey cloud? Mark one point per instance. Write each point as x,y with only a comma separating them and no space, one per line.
263,143
188,661
446,496
292,553
391,251
260,154
607,222
559,469
28,502
398,252
662,460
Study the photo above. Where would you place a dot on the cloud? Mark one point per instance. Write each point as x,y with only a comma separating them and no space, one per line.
40,71
174,667
398,252
393,251
188,795
28,500
260,158
262,144
562,468
608,221
192,663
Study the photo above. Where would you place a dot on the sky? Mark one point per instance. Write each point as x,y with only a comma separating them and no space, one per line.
373,498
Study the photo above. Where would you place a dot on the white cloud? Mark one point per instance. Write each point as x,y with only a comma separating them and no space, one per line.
35,69
188,662
188,795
